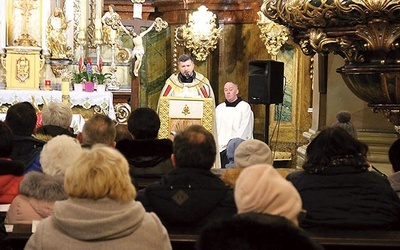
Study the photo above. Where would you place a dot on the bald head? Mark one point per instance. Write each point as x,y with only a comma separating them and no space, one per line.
231,91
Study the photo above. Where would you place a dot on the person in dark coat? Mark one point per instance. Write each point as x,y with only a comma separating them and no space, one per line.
21,118
11,172
254,231
339,190
190,194
146,154
394,158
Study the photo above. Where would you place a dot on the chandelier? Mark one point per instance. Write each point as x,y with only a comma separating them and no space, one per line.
200,35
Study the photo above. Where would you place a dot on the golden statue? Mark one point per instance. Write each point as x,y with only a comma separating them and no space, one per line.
112,26
56,35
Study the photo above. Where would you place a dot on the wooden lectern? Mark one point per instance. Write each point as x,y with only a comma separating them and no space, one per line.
178,113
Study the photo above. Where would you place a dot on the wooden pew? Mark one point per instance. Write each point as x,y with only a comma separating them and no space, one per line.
186,237
356,239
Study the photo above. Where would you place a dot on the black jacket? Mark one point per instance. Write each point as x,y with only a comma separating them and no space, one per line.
348,198
26,149
147,157
188,196
53,131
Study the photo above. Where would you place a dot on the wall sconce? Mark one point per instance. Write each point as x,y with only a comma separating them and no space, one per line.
200,35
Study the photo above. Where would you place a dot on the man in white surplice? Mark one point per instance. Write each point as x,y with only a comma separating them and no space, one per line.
235,119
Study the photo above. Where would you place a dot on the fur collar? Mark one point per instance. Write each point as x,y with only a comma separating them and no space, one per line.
43,186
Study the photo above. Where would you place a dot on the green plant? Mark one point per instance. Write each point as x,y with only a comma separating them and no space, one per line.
77,77
102,77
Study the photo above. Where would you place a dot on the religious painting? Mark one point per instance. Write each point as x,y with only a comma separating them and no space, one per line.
283,112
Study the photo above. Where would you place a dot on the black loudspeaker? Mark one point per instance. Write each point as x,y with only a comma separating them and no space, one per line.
265,81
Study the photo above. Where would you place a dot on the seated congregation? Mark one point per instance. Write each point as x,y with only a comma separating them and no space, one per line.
85,190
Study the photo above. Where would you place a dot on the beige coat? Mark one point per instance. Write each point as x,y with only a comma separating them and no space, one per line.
38,192
99,224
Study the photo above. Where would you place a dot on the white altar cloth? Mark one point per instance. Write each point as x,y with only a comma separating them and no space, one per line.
84,99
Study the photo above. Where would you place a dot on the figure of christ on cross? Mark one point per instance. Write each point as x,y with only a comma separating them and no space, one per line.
134,27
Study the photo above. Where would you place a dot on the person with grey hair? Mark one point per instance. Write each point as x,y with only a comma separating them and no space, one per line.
98,129
39,191
56,120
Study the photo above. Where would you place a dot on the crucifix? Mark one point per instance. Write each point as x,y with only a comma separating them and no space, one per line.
136,25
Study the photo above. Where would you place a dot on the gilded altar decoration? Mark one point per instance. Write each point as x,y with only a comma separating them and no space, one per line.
23,65
273,35
366,33
112,26
56,35
26,6
186,110
122,112
200,35
22,69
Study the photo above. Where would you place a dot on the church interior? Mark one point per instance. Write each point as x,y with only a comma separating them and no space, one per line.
113,56
347,61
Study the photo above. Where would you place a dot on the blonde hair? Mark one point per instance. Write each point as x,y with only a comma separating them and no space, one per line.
58,153
100,172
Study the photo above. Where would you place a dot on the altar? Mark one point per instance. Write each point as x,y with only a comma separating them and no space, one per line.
84,103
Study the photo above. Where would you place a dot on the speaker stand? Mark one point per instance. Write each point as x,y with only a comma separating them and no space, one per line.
266,129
